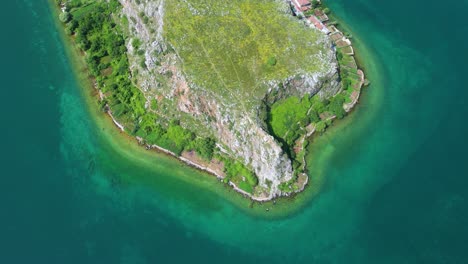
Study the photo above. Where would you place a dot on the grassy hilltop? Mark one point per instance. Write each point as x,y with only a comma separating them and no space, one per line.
233,47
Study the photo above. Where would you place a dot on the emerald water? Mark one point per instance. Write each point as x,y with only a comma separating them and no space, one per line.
388,185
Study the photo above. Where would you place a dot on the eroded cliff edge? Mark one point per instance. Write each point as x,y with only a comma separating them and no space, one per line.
233,119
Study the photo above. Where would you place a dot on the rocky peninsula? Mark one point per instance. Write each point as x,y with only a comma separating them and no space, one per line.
233,88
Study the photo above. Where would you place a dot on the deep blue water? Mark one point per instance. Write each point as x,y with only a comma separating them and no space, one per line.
396,176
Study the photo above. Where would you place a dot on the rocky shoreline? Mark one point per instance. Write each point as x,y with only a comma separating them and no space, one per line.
203,167
189,162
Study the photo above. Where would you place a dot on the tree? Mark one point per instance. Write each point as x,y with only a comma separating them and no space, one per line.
136,43
179,135
71,27
271,61
339,55
320,127
205,147
155,135
314,117
346,83
336,106
315,3
65,17
320,106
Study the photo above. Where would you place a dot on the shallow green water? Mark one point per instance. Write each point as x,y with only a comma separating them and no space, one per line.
395,170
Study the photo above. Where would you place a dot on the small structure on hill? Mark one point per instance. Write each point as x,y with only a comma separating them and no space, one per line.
315,22
321,15
302,5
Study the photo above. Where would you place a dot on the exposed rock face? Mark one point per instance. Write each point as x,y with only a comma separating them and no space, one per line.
240,134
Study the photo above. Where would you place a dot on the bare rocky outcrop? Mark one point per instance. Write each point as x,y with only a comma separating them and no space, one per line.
241,134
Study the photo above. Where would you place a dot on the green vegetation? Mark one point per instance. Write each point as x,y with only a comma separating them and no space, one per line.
237,173
154,104
320,126
233,47
349,77
64,17
289,186
336,106
288,122
315,3
204,147
100,38
288,117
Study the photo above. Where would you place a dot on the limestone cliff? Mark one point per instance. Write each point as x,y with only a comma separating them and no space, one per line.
232,118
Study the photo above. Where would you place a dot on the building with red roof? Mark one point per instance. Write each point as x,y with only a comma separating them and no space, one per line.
302,5
318,24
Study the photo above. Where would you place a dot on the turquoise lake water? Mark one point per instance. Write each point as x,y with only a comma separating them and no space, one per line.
396,172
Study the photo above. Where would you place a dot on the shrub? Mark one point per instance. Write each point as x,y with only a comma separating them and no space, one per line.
65,17
271,61
336,106
204,147
320,127
314,117
136,43
346,83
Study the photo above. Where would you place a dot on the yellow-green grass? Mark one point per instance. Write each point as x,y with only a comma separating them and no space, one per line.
287,113
233,47
81,7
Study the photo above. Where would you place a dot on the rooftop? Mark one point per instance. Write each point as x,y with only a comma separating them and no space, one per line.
317,24
302,5
303,2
